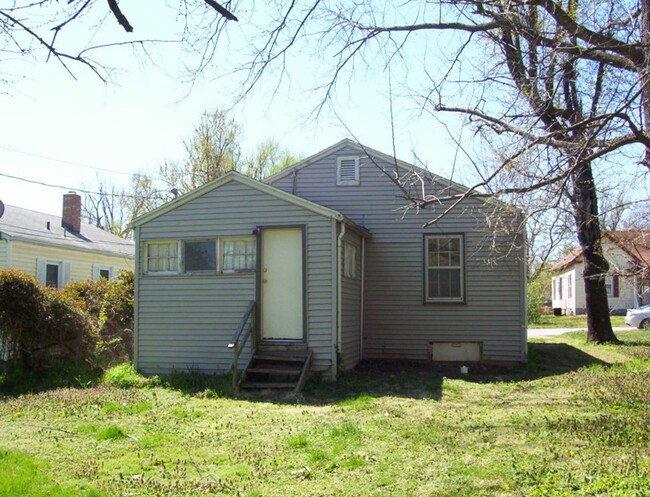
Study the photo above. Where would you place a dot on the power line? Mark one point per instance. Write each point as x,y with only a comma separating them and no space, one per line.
78,164
89,192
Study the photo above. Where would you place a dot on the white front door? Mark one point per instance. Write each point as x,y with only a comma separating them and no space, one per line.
282,284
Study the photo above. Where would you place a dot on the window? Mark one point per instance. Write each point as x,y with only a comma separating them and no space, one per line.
162,257
611,284
102,272
52,274
444,268
226,255
200,256
347,171
238,254
349,260
569,289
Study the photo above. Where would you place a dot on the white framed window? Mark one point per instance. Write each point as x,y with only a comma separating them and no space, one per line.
347,171
105,272
54,274
444,268
162,257
611,285
349,260
199,255
238,254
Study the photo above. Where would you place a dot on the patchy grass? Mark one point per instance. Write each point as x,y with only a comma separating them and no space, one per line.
573,422
550,321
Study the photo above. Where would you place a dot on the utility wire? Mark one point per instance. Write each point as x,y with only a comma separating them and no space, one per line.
78,164
89,192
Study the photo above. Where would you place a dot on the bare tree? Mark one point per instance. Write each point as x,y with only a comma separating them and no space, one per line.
66,31
213,149
560,82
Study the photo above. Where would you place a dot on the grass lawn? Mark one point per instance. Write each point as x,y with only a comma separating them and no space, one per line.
550,321
573,422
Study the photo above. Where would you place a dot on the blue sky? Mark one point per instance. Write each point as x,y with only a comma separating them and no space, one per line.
64,131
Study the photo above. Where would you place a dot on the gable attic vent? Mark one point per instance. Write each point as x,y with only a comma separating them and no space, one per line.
347,171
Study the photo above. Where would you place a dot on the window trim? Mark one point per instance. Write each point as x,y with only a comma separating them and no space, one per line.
98,268
425,269
347,182
349,260
179,247
614,286
59,274
180,258
182,268
221,253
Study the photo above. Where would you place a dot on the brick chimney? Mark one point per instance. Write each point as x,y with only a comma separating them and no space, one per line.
71,219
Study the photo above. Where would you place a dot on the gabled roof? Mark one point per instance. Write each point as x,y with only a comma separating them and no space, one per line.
635,243
31,226
371,154
257,185
574,257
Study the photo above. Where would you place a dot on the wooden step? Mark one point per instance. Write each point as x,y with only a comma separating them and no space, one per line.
267,385
269,356
275,370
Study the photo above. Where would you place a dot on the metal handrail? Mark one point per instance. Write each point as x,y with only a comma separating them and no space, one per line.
239,339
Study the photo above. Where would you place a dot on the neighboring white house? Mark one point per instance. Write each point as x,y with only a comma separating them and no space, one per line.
628,285
59,249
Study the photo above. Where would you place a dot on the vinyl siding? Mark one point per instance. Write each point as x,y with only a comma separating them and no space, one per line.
24,257
4,253
187,321
398,324
351,309
619,262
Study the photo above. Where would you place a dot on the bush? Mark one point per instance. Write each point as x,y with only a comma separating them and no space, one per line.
538,294
43,327
125,376
109,306
22,310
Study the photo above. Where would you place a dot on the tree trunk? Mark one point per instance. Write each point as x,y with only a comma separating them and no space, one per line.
585,204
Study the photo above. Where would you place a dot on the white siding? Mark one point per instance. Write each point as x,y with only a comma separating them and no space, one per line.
398,324
4,253
619,262
77,264
186,321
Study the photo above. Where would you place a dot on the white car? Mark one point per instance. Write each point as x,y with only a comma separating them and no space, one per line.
638,318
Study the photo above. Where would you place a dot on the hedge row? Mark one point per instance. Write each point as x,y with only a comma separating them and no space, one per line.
84,321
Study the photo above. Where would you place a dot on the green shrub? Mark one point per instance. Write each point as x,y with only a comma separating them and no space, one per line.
22,310
538,294
109,306
125,376
85,321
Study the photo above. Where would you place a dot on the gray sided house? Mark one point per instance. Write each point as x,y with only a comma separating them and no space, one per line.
334,266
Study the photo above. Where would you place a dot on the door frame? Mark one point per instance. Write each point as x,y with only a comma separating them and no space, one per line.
259,230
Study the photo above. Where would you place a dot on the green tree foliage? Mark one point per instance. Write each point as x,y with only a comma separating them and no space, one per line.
539,293
213,149
84,321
